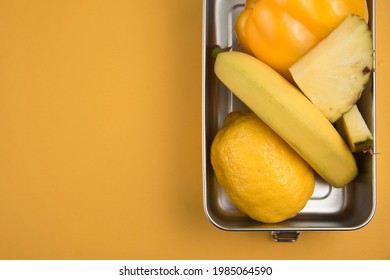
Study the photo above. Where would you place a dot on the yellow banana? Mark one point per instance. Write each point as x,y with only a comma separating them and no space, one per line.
290,114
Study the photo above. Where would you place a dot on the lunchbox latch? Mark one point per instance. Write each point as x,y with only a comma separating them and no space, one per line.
285,236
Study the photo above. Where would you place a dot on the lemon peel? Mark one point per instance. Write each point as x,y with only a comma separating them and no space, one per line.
261,174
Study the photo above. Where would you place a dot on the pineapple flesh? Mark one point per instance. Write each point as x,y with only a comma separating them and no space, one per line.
353,128
333,74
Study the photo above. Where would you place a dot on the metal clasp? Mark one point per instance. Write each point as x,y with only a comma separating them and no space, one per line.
285,236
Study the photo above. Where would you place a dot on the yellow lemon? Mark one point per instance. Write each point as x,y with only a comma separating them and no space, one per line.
262,175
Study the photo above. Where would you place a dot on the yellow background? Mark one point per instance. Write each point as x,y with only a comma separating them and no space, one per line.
100,138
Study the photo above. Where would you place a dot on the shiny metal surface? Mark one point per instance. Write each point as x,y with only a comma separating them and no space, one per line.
348,208
285,236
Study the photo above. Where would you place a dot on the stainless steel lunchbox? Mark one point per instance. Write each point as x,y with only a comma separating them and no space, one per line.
329,209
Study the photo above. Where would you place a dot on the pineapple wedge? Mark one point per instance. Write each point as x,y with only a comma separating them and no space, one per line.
353,128
333,74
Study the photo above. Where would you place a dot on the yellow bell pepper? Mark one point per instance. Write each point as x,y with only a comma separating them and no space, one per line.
279,32
240,25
